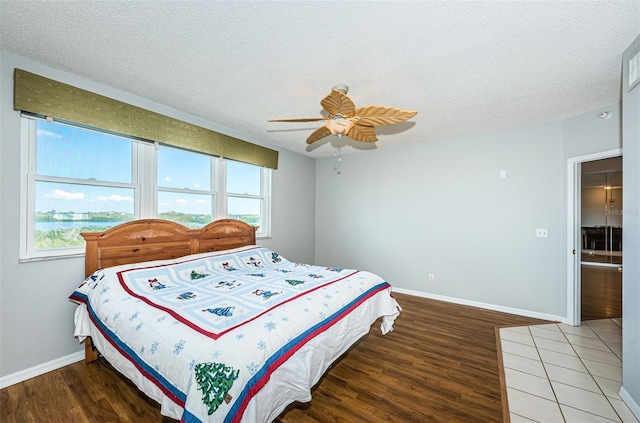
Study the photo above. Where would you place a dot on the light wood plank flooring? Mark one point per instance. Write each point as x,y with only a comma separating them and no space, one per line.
440,364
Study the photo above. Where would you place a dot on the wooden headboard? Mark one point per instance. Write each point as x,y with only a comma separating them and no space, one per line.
156,239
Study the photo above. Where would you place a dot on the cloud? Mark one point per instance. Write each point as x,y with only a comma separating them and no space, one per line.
167,178
45,133
58,194
201,201
182,201
115,197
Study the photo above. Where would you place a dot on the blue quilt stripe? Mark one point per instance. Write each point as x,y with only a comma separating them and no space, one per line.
78,296
301,339
187,417
149,372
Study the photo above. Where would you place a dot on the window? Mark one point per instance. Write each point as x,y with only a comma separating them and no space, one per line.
78,181
185,187
247,190
82,180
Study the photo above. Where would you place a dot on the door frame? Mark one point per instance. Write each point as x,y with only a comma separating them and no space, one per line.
574,231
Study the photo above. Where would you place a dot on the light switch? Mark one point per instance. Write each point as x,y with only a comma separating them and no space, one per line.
542,233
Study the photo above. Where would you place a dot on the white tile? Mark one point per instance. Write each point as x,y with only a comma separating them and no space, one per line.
606,371
573,364
596,344
559,359
546,326
584,330
609,336
572,415
615,347
518,337
604,322
584,400
611,388
518,329
519,349
549,344
529,383
523,364
556,335
533,407
519,419
604,326
572,377
623,411
606,357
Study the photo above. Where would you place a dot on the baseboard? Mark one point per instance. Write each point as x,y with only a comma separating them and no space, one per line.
40,369
631,403
493,307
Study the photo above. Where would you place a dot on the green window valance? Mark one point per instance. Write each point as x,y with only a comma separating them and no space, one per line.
46,97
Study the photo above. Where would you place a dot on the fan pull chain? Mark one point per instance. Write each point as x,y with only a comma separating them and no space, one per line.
336,167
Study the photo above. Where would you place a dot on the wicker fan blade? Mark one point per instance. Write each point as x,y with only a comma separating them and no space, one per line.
381,115
299,120
318,134
336,102
363,133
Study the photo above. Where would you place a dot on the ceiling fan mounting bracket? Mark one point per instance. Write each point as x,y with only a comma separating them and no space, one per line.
343,88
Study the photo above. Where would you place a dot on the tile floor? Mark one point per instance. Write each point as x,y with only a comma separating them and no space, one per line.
562,373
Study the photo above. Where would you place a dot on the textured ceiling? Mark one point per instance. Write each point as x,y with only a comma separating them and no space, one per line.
467,67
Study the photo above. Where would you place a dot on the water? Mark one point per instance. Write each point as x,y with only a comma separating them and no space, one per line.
48,226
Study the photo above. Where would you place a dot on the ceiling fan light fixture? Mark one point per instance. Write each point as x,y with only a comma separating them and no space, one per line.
339,126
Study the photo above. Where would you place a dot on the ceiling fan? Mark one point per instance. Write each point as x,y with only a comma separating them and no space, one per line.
345,119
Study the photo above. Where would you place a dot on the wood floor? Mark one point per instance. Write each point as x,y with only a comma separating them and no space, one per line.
601,292
440,364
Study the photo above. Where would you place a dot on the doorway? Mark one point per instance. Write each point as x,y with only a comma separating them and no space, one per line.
591,245
601,244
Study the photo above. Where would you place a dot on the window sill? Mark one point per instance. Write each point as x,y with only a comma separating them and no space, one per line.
48,258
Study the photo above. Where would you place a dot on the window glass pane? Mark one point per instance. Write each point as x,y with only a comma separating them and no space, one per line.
183,169
243,178
245,209
191,210
65,210
71,152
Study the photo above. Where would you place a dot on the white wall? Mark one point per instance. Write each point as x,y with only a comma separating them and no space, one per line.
36,320
631,238
441,208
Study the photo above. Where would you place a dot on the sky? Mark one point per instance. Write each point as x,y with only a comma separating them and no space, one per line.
71,152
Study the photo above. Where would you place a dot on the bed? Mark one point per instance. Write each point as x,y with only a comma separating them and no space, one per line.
214,327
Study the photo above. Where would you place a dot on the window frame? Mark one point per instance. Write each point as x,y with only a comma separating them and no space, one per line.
30,177
144,184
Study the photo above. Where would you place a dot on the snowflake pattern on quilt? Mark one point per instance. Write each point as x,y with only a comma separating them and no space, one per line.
218,293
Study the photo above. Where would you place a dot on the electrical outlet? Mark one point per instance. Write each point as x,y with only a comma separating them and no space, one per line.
432,277
542,233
